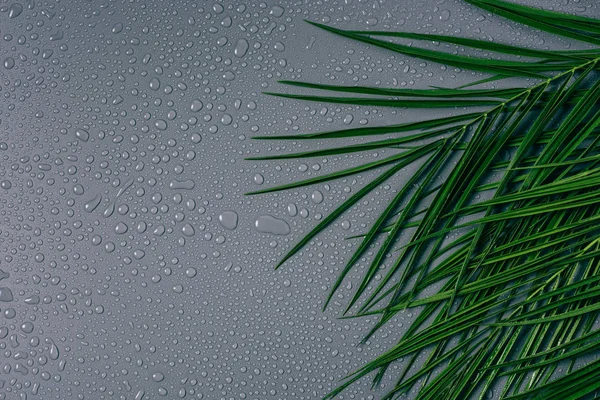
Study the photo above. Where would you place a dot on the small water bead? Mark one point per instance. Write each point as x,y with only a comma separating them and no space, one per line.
276,11
27,327
241,48
156,198
117,28
292,210
58,35
9,63
226,119
109,247
196,138
121,228
154,84
78,189
139,254
178,288
158,377
188,230
191,272
279,46
141,227
229,76
161,124
5,184
190,204
226,22
346,224
82,135
259,179
317,197
196,105
123,209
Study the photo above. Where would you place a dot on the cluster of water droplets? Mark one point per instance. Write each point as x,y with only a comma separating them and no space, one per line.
132,266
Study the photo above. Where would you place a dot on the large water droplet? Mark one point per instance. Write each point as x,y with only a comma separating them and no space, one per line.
228,219
272,225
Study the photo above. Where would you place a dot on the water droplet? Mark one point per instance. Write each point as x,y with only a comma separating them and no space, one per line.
279,46
317,197
272,225
82,135
277,11
292,210
154,84
121,228
186,185
158,377
188,230
228,219
15,10
196,105
6,295
9,63
91,205
78,189
117,28
241,48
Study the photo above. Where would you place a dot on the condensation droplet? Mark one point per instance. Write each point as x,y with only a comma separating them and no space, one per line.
196,105
15,10
228,219
9,63
241,48
272,225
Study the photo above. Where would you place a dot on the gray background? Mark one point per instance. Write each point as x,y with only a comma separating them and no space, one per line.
115,281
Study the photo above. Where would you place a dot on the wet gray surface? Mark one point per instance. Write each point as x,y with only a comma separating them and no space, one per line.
132,266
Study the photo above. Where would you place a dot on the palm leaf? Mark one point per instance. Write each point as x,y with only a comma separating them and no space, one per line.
512,294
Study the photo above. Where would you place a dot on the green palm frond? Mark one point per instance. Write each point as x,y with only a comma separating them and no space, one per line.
514,277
